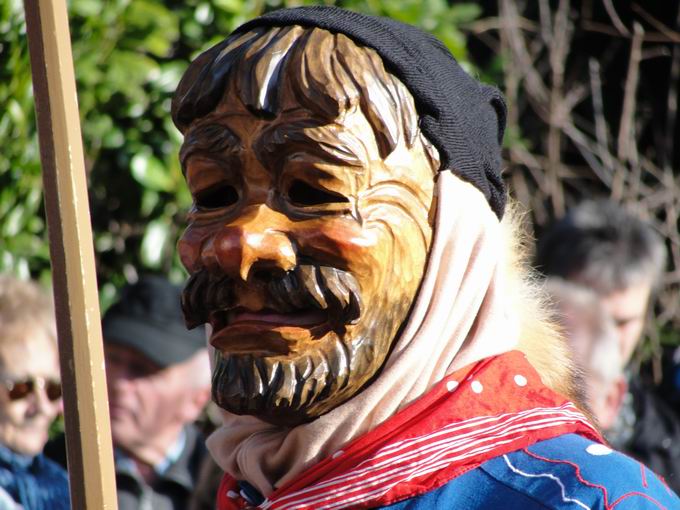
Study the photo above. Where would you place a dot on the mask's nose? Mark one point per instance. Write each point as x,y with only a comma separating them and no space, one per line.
259,240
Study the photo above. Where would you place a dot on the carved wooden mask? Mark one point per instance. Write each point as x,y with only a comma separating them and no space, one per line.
311,225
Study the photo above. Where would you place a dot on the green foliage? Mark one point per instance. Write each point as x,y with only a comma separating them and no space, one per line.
23,246
129,56
435,16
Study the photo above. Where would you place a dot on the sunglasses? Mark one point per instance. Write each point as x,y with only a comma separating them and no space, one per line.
17,390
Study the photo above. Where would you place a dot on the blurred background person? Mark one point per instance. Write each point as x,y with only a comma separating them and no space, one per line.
604,247
600,245
158,377
30,398
591,334
158,380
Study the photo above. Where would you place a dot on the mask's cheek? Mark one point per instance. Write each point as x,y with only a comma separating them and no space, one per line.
403,236
339,242
386,252
390,273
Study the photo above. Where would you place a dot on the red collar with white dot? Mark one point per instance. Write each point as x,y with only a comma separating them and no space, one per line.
491,407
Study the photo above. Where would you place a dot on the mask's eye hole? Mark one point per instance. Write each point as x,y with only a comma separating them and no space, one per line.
302,194
216,197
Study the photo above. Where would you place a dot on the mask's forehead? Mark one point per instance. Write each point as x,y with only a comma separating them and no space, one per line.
287,68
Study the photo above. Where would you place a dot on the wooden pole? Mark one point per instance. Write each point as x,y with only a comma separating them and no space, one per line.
88,432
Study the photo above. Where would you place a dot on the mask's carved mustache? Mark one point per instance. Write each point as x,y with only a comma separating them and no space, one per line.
307,286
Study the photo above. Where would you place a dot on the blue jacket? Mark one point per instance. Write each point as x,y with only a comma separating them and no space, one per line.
36,483
567,472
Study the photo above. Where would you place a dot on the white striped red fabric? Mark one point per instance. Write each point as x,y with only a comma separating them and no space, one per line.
422,455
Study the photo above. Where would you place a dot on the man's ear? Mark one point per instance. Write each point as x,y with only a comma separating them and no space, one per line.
613,401
194,397
194,403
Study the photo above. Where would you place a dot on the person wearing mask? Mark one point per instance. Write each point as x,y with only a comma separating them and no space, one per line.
376,342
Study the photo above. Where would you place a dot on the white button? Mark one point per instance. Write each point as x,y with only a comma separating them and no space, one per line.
232,494
598,449
520,380
337,454
476,386
451,385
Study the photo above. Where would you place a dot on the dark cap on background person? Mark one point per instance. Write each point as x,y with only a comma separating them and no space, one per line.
148,317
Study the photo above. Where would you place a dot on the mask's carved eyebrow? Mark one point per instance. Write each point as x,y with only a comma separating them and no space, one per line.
334,146
209,138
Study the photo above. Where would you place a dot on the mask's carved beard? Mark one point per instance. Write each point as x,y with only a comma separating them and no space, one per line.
287,390
296,388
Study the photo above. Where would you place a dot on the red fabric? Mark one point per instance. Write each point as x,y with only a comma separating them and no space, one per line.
228,496
495,406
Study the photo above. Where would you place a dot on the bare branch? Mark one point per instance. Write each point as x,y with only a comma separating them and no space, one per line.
671,34
672,102
626,144
523,63
600,121
497,23
568,156
615,17
595,27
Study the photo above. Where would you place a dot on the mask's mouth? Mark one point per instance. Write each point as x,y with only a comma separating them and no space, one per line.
266,331
301,318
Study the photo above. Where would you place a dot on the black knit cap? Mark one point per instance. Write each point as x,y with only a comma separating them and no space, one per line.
148,317
463,118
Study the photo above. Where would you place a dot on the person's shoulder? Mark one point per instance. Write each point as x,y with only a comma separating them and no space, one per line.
571,471
50,466
188,465
473,490
195,450
566,472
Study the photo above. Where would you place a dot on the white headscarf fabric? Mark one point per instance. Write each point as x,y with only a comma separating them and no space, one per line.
461,315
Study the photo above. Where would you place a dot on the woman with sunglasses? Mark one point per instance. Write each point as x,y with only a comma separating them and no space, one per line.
30,398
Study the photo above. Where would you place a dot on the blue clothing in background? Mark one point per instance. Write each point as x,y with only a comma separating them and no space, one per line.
36,483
